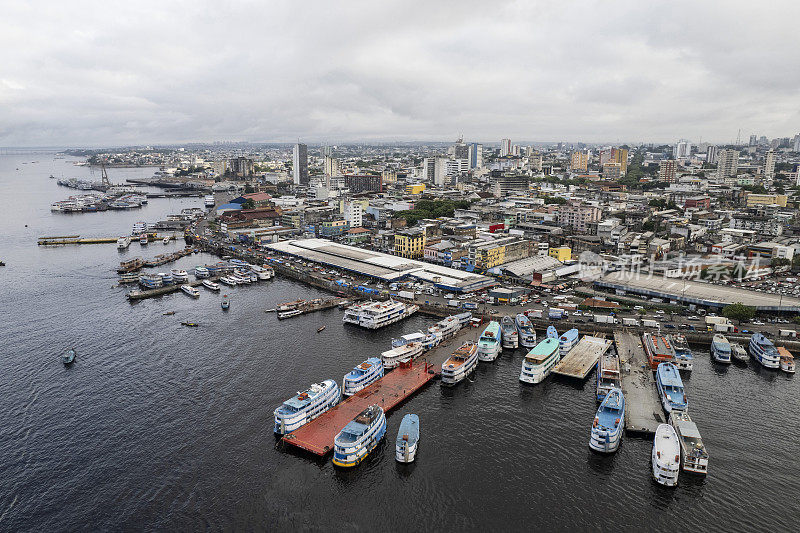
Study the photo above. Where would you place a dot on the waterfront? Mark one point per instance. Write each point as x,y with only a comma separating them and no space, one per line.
162,427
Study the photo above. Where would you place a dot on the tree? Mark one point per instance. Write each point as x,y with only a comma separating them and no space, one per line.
248,189
249,204
739,312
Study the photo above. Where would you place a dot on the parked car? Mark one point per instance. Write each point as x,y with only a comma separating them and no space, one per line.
670,326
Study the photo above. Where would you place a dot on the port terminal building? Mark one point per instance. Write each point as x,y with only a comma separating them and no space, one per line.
694,292
384,267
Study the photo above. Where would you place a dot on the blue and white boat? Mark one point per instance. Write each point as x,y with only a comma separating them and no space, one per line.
359,437
525,331
538,363
306,406
150,281
408,338
405,447
460,364
666,456
201,272
670,388
68,357
764,351
721,349
567,341
684,359
364,374
608,423
464,318
432,339
166,278
489,346
552,332
179,276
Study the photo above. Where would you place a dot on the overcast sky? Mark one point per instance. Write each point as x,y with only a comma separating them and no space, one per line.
109,73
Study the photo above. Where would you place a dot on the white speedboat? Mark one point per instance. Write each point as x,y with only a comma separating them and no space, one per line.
666,456
166,239
123,242
208,284
191,291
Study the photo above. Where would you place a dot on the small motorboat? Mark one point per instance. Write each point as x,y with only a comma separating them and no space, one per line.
190,324
68,357
208,284
168,313
226,302
320,328
166,239
191,291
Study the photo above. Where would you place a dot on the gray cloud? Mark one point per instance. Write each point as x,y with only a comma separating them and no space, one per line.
78,73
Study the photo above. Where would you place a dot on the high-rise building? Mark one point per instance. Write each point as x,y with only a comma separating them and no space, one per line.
353,214
769,166
615,155
796,146
515,150
505,147
579,161
503,184
753,140
434,170
332,166
460,150
683,149
727,164
475,155
300,164
711,154
666,171
358,183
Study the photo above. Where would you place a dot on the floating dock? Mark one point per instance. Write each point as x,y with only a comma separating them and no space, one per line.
583,357
643,411
73,239
388,392
137,294
309,306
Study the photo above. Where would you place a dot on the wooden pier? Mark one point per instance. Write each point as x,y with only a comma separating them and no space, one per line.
388,392
310,306
583,357
73,239
643,411
150,293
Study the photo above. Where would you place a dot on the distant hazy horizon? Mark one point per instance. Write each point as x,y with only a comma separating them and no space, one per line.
90,73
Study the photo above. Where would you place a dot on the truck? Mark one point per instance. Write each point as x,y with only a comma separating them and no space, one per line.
787,333
469,305
725,328
630,322
534,313
452,303
711,320
650,323
556,314
408,295
605,319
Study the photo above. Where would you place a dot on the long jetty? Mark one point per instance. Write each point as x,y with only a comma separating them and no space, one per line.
583,357
643,411
73,239
150,293
388,392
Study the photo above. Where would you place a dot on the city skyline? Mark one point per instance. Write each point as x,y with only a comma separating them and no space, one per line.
133,74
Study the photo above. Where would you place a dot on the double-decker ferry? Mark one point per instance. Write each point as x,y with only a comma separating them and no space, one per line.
694,457
448,327
509,336
608,377
670,388
408,338
359,437
364,374
400,354
666,458
538,363
608,423
306,406
489,342
658,349
374,315
787,360
525,331
567,341
721,349
460,364
764,351
684,358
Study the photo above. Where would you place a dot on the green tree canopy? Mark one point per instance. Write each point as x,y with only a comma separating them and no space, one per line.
739,312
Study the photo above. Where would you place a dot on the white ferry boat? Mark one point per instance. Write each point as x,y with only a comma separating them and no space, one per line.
448,327
694,457
666,456
525,331
306,406
608,423
684,358
670,388
260,272
374,315
489,342
408,338
432,339
538,363
764,351
460,364
227,280
123,242
191,291
364,374
508,335
608,376
400,354
721,349
209,200
359,437
179,276
201,272
208,284
464,318
405,447
738,353
567,341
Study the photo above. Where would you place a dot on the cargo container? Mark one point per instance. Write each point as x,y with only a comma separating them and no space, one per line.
787,333
711,320
605,319
408,295
452,303
534,313
650,323
630,322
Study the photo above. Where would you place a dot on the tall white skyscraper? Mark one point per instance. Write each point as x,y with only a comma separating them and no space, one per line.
300,164
769,166
727,164
505,147
683,149
711,154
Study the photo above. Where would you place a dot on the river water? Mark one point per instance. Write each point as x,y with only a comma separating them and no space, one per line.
161,427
